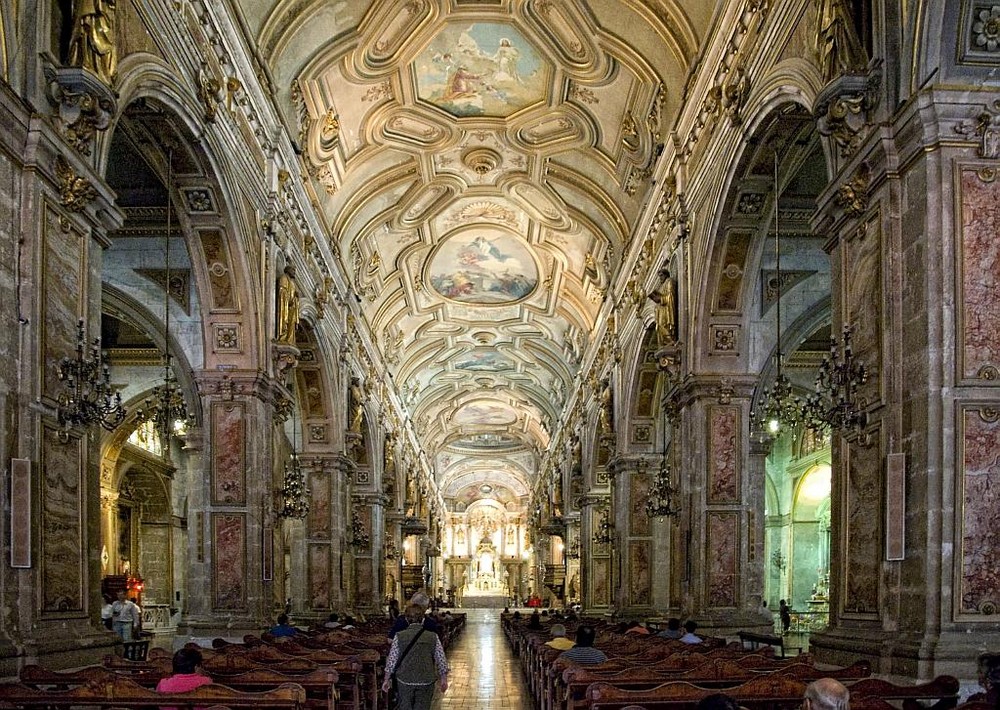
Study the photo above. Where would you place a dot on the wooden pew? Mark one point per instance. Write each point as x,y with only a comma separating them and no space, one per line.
119,691
943,690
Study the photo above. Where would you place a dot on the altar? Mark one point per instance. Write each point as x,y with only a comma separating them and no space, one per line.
487,585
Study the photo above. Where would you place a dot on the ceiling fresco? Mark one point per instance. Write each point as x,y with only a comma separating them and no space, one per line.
481,167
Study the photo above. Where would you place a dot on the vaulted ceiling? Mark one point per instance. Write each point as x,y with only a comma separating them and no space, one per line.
481,166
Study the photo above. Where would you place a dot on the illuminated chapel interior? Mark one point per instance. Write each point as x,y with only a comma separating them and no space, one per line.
657,307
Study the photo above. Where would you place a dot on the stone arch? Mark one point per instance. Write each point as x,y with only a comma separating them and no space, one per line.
203,196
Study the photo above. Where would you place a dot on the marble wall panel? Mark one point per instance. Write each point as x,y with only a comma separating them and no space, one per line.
319,576
62,269
154,562
365,576
319,506
62,558
723,554
228,453
229,561
213,246
640,572
980,516
863,283
864,529
980,264
723,454
601,581
639,524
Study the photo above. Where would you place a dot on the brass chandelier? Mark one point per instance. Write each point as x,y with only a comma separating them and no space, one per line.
88,397
662,501
778,408
836,404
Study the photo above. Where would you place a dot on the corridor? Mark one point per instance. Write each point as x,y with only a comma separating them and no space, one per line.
484,673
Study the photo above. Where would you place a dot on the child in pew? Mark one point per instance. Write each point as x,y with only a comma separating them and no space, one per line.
186,676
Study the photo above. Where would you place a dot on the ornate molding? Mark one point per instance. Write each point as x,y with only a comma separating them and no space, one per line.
853,194
85,104
985,126
75,192
844,109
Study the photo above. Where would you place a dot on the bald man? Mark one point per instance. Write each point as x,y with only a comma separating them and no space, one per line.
826,694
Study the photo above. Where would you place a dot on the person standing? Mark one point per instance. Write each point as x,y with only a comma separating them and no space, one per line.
126,617
416,660
785,614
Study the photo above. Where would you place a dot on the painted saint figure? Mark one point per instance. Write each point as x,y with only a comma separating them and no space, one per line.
92,44
506,59
462,84
665,298
287,315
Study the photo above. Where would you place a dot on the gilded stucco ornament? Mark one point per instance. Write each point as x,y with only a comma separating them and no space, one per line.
210,92
85,105
75,192
845,108
853,194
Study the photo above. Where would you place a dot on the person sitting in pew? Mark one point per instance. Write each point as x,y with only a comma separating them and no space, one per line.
584,653
559,640
333,622
689,633
423,601
283,629
186,676
673,630
634,627
826,694
989,678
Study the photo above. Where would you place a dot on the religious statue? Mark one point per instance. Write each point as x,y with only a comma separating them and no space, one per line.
605,411
357,405
389,468
411,493
287,312
665,298
92,42
840,49
460,536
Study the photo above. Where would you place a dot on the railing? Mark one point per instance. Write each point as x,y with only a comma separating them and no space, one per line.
156,618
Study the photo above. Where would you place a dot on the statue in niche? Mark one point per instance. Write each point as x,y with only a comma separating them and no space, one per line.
357,404
460,536
606,409
839,47
411,493
92,42
665,298
389,468
287,315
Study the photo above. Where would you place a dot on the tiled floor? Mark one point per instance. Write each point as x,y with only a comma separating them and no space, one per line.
485,675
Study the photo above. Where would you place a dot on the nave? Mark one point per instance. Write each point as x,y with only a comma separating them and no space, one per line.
484,672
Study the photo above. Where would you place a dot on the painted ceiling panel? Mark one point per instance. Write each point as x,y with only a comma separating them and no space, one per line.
481,167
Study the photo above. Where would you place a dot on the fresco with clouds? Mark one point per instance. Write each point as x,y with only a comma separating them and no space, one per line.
481,69
483,266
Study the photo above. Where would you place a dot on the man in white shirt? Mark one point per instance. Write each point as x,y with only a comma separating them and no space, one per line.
126,617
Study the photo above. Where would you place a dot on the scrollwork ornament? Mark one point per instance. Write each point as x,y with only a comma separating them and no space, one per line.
853,194
990,415
85,105
986,127
75,192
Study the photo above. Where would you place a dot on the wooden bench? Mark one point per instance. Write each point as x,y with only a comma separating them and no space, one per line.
753,641
118,691
319,685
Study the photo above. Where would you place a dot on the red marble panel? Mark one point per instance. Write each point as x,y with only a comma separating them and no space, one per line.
638,520
864,533
600,582
319,576
723,455
980,264
61,543
863,280
365,576
319,505
981,512
229,561
723,554
640,572
213,246
228,454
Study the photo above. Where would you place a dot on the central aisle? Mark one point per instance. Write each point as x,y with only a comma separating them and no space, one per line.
485,675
